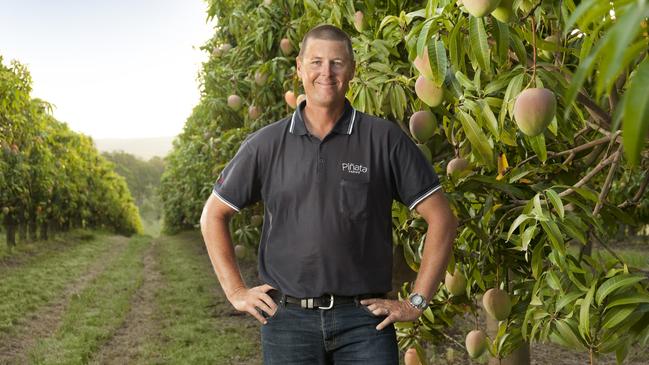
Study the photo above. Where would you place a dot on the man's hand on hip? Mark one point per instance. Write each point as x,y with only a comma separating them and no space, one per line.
395,310
249,300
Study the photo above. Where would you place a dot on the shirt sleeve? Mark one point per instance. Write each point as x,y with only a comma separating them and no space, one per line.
239,185
413,176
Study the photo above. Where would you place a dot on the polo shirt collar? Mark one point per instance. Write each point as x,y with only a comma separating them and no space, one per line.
344,125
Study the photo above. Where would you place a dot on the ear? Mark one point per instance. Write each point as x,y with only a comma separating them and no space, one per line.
298,64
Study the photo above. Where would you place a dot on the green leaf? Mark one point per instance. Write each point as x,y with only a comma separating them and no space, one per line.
565,335
517,222
538,145
438,61
584,69
572,231
479,142
567,299
553,280
616,40
556,201
584,312
424,35
502,39
555,236
527,236
513,89
456,44
615,283
537,260
599,8
517,45
464,81
537,210
490,118
632,299
636,114
478,39
616,315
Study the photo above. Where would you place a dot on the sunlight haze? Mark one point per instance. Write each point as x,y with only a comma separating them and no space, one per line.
112,69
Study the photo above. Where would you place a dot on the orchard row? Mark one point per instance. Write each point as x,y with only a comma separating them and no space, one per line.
51,178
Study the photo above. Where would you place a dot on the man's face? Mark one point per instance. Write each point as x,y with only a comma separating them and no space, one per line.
325,69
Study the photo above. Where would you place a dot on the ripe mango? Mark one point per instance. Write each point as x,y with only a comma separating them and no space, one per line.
480,8
476,343
428,92
422,125
455,283
534,109
497,304
234,102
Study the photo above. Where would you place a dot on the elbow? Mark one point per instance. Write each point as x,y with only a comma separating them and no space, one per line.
203,220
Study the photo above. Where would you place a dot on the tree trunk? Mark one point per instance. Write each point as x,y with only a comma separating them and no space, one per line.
520,356
10,227
32,229
22,232
44,230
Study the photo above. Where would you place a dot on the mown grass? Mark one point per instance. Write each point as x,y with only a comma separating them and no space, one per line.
151,227
633,257
193,313
39,274
96,312
26,250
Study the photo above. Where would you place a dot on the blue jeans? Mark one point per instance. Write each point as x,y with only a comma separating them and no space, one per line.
345,334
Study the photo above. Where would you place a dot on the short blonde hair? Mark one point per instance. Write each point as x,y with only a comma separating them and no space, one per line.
328,32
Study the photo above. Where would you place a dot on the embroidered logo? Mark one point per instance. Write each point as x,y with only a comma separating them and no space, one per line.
354,168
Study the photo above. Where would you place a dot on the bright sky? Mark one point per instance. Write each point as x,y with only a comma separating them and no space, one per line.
113,69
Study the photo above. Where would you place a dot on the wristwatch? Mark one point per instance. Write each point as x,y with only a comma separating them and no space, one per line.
417,301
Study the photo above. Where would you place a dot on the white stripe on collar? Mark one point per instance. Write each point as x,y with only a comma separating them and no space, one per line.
292,122
351,125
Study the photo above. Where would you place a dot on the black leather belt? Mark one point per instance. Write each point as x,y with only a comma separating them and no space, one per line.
327,301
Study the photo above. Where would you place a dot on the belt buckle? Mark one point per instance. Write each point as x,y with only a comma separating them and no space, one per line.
331,303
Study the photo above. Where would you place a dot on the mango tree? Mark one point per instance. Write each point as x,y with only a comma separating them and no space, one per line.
532,112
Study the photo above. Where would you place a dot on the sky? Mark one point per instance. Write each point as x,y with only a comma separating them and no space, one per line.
112,69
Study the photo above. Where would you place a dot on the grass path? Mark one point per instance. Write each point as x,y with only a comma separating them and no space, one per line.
199,326
115,300
96,312
27,286
128,345
43,322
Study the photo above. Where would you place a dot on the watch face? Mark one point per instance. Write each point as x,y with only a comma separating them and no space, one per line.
417,300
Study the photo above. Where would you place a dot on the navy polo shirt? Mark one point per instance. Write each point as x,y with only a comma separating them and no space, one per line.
327,204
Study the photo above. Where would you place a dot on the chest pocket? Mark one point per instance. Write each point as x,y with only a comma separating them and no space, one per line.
353,199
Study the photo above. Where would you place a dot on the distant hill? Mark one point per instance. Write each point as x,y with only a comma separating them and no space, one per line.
144,148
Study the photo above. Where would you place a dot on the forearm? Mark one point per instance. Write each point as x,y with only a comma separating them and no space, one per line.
438,247
219,246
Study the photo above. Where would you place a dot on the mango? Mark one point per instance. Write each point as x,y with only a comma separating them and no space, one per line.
480,8
428,92
534,109
422,125
476,343
455,283
497,304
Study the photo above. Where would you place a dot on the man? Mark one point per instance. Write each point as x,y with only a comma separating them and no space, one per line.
327,176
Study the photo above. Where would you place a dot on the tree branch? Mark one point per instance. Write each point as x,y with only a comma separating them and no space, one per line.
609,180
588,176
637,195
595,111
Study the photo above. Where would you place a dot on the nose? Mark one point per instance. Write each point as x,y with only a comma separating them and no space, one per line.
327,68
